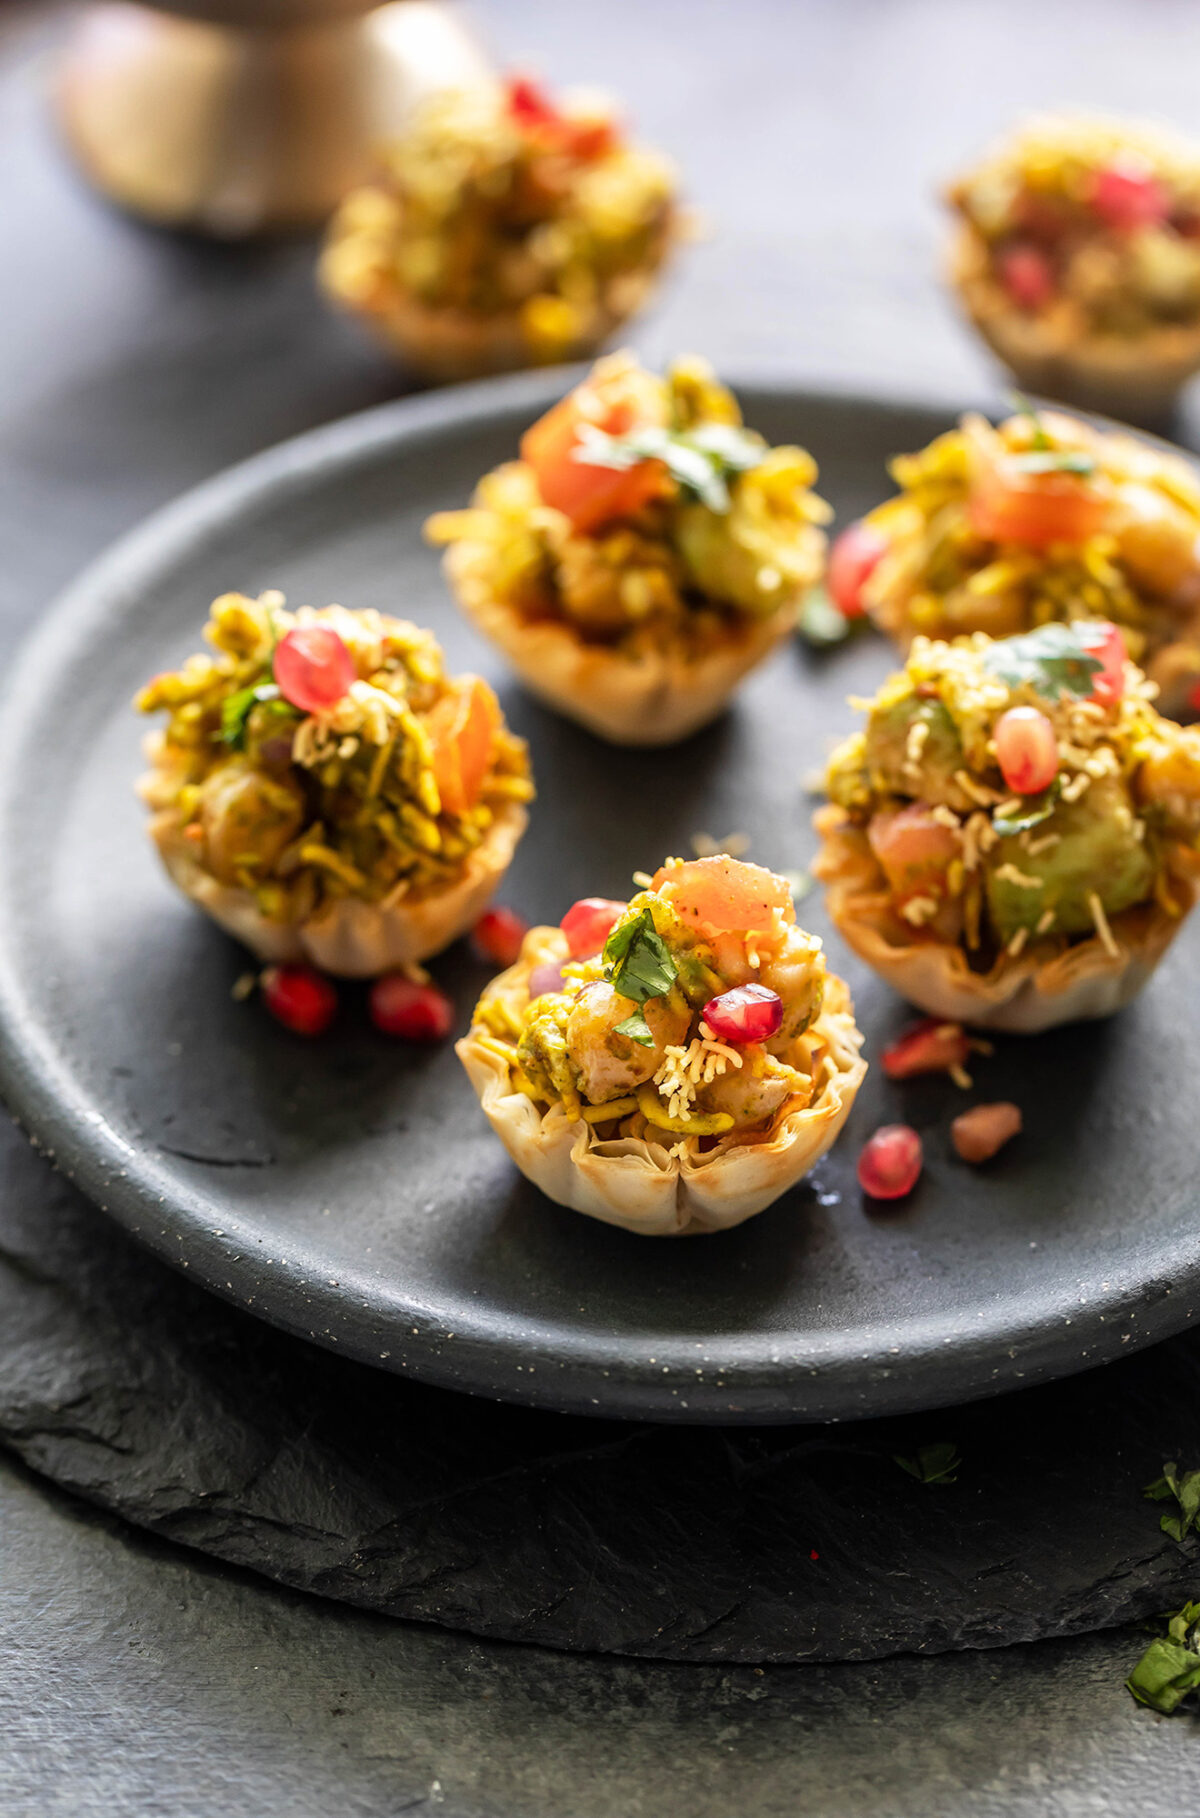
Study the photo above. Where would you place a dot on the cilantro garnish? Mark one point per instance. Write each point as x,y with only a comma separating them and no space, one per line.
1037,808
1051,659
1185,1490
1055,460
936,1463
639,966
235,711
700,460
1170,1667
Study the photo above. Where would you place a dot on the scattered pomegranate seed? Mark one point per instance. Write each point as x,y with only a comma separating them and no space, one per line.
748,1013
498,934
855,555
984,1129
1026,750
891,1161
545,978
300,997
588,924
313,668
1027,275
928,1047
814,1554
414,1013
1126,194
1103,640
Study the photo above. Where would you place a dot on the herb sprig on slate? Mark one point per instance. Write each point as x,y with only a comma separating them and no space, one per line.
935,1463
1052,660
1170,1667
699,460
639,966
1186,1491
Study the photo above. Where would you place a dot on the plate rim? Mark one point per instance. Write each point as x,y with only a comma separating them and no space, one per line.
1141,1306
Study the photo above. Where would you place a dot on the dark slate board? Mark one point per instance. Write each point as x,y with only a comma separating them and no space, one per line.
129,1385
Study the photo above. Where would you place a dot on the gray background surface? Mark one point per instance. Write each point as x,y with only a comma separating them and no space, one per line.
140,1680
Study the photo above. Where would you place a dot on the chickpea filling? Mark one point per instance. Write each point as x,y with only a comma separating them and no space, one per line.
501,200
1018,794
1042,519
325,753
694,1027
1092,226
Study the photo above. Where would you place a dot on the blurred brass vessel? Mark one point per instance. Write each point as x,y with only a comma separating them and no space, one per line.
236,117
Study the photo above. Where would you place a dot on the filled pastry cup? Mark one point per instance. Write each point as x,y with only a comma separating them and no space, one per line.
1042,517
325,792
503,229
981,897
643,556
627,1133
1077,257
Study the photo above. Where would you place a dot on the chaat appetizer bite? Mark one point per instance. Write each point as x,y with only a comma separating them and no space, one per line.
504,229
1013,840
1077,257
325,791
671,1064
1044,517
644,553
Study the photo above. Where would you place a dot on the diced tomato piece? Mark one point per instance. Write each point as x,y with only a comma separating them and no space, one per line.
463,727
589,922
498,934
1007,505
300,997
1103,640
852,561
1127,195
725,895
1026,750
412,1012
915,850
891,1162
1027,275
616,401
931,1046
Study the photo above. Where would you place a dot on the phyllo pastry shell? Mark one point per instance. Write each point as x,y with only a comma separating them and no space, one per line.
325,792
684,1111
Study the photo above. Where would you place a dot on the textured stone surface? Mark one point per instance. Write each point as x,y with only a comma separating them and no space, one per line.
129,1385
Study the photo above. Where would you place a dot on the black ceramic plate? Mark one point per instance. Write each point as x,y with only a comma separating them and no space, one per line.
350,1189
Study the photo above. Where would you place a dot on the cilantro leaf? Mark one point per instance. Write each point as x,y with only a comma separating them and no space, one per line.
699,460
1036,809
1056,460
1022,404
236,710
1186,1492
1170,1667
638,961
637,1028
820,622
936,1463
1052,660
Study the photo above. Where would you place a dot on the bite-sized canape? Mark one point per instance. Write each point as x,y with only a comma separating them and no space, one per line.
644,553
1044,517
674,1063
1077,257
325,791
504,228
1012,839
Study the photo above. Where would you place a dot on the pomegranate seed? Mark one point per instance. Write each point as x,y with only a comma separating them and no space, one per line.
1127,194
748,1013
1027,275
313,668
1103,640
545,978
300,997
855,555
528,104
984,1129
415,1013
588,924
890,1163
928,1047
498,934
1026,750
